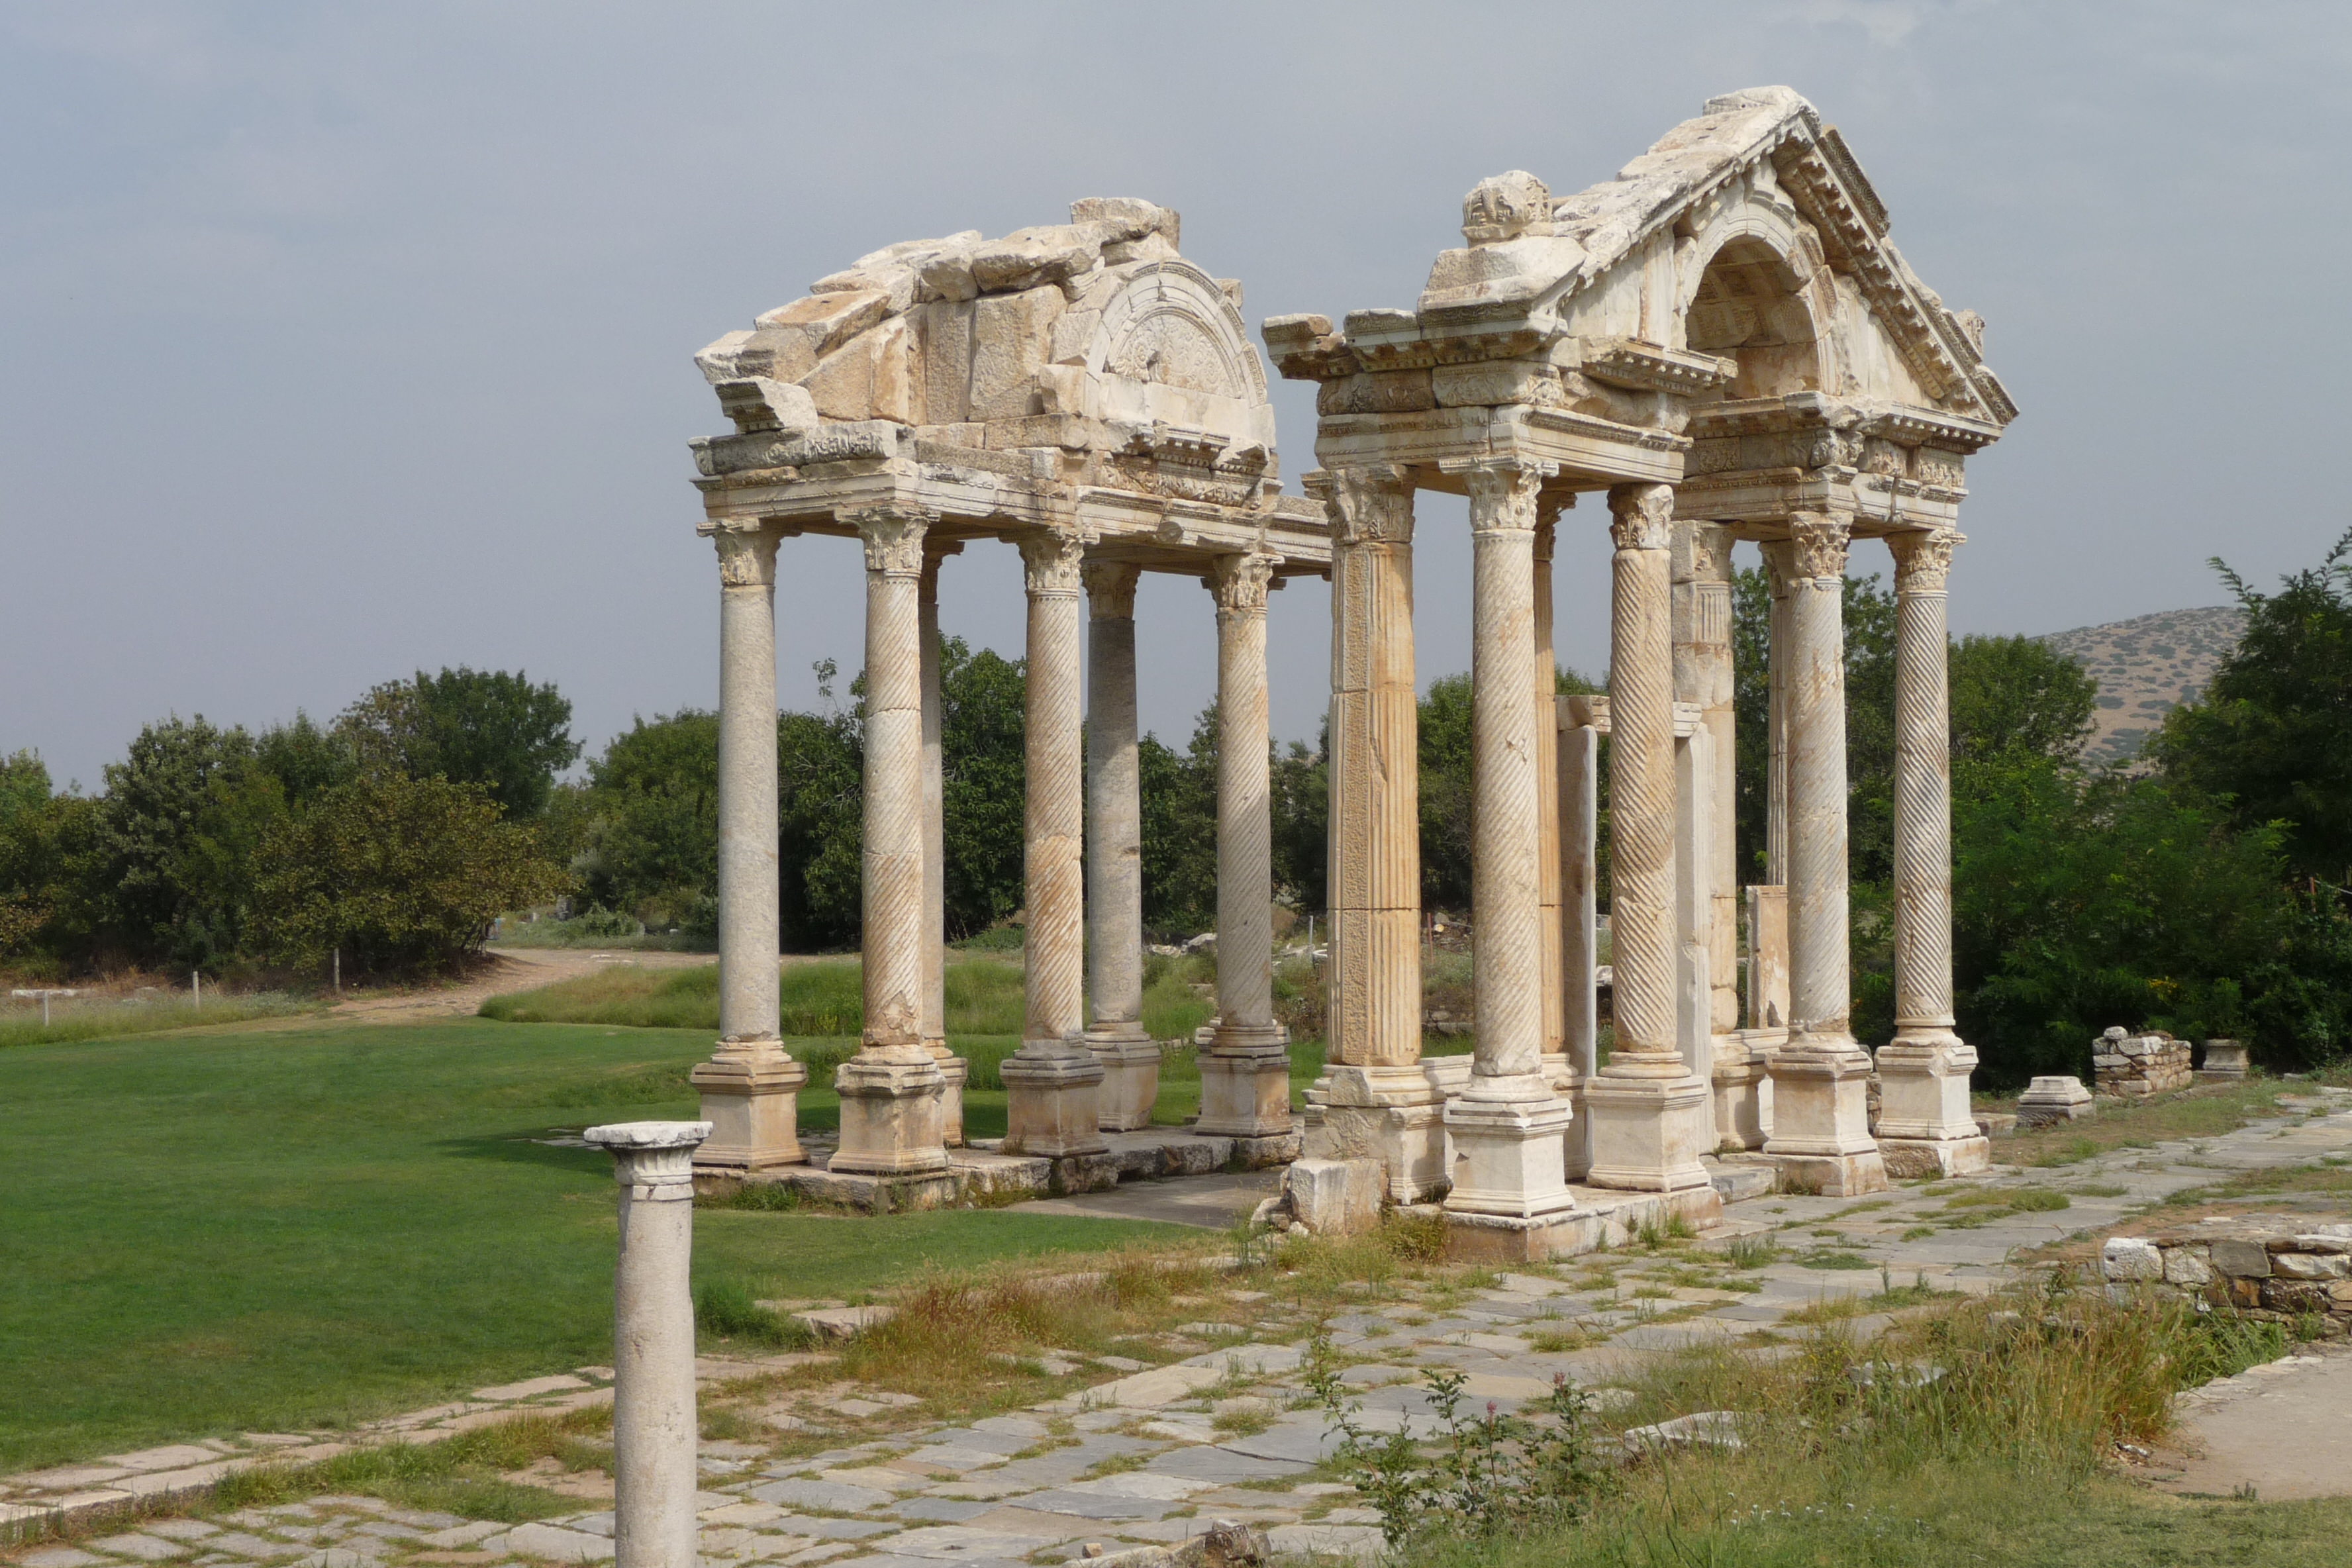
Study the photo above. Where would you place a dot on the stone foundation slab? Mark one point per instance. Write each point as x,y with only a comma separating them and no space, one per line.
1908,1158
1602,1217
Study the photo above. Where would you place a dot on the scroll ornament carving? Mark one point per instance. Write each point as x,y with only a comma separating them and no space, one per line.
1242,582
1819,542
1644,516
1110,588
1054,559
1503,496
747,557
1370,505
893,537
1923,560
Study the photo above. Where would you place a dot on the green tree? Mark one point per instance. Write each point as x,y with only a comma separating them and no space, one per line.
1178,793
2013,697
982,729
305,758
181,815
399,873
471,727
1302,823
1445,793
2271,738
650,842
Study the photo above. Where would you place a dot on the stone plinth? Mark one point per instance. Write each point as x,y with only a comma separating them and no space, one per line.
1392,1114
751,1096
893,1110
1331,1197
2225,1060
1129,1060
2053,1098
1926,1125
1602,1217
1742,1081
2131,1066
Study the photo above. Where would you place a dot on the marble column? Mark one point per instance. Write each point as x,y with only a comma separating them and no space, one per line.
1551,968
1779,572
1053,1082
891,1089
750,1086
655,1432
1651,1116
1703,677
1926,1127
1580,822
954,1071
1378,1103
1509,1126
1130,1059
1245,1071
1821,1129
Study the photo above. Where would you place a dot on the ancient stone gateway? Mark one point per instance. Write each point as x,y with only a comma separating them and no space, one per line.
1084,392
1721,342
1725,344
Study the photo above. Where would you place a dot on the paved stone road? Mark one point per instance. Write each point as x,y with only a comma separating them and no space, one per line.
1154,1454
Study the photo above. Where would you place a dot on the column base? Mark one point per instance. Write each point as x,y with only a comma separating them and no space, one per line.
892,1118
1576,1141
1740,1081
957,1073
1908,1159
1130,1062
1506,1157
1245,1083
1820,1120
1648,1131
1395,1115
1923,1088
1053,1093
751,1096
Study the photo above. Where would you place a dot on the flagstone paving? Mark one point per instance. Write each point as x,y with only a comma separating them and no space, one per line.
1157,1453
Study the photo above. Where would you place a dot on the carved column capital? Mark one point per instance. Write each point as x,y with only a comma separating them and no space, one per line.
1110,588
1242,582
1779,565
1819,540
893,537
1644,515
1923,560
1369,505
747,557
1703,553
1503,495
1052,560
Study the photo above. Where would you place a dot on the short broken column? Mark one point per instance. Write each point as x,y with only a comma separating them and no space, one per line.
655,1432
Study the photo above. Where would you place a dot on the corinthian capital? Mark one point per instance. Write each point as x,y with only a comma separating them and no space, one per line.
1369,505
1241,583
1819,539
893,536
1504,495
747,557
1053,559
1110,588
1643,516
1923,559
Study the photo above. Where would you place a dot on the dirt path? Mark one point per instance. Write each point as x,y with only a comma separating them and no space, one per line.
2283,1430
511,969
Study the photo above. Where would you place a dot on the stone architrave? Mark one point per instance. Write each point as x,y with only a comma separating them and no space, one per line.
1114,861
750,1087
1651,1116
653,1424
1245,1071
1053,1082
1508,1125
1378,1103
1579,825
1552,967
1821,1128
891,1091
1926,1127
954,1070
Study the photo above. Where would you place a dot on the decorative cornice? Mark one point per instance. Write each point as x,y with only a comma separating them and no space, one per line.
1110,588
1819,540
1370,505
1644,515
893,536
1923,559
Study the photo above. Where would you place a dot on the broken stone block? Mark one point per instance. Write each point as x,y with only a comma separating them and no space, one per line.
1011,336
1031,258
2127,1258
2053,1098
791,339
2186,1266
2242,1259
756,403
1335,1198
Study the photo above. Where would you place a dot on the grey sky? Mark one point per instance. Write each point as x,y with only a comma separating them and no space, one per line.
337,341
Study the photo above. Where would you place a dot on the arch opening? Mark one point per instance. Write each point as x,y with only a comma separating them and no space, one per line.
1750,307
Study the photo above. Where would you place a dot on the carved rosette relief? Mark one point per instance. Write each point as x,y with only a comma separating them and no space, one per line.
893,536
1642,516
1110,589
1370,505
1053,561
747,557
1818,542
1923,560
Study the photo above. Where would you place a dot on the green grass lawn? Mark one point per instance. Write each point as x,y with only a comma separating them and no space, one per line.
256,1230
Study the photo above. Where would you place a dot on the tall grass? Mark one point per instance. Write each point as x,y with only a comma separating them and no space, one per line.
100,1020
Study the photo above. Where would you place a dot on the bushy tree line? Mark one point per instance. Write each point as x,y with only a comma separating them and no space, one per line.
395,833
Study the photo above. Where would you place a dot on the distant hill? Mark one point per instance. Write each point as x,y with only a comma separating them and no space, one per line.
2147,666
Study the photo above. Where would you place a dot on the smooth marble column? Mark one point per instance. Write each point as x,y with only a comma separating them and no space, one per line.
1130,1059
954,1070
1820,1130
1508,1125
1245,1071
750,1087
892,1089
1651,1116
1377,1101
1053,1082
1926,1126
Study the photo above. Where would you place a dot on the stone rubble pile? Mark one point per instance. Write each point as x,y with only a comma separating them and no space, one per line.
2133,1066
2270,1266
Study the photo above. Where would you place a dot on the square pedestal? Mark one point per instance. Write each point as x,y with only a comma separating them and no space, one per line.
954,1073
1821,1121
1647,1133
1054,1094
751,1096
1392,1114
1506,1157
1926,1126
1740,1080
1246,1085
1575,1140
1130,1086
1906,1159
892,1114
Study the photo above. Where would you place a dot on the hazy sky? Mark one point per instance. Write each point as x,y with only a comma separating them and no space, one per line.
339,340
